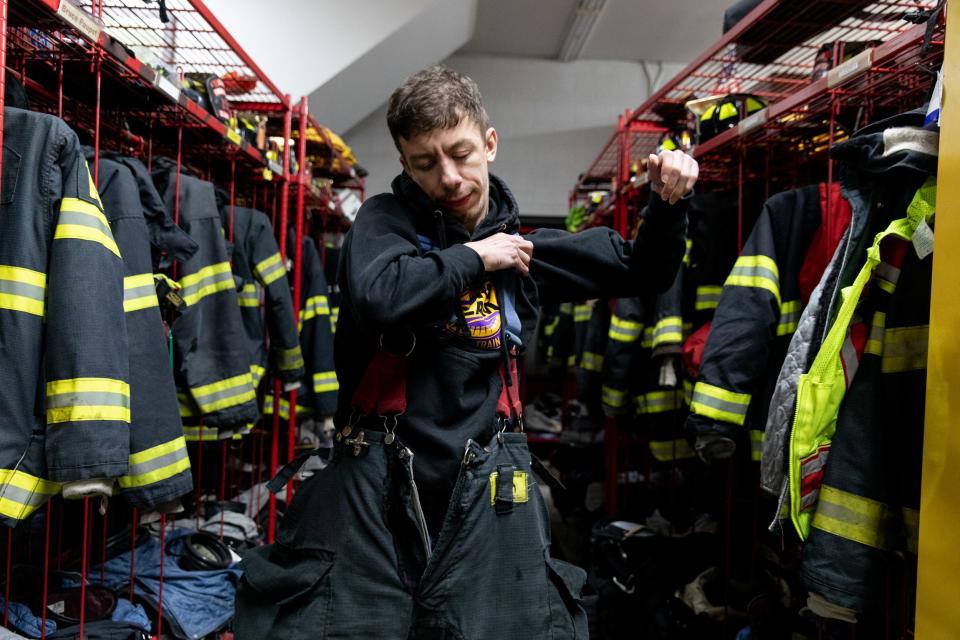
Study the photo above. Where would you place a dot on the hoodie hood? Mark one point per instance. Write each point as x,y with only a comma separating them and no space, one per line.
897,144
503,215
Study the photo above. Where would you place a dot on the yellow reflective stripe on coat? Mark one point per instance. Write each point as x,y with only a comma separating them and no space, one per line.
668,330
669,450
520,492
284,407
80,220
853,517
877,331
581,313
591,362
659,401
708,297
200,434
789,317
23,290
249,296
551,327
188,408
720,404
205,282
756,444
760,272
687,392
21,493
269,270
334,315
139,292
911,525
314,306
256,373
231,392
156,464
905,349
84,399
290,359
613,397
325,382
624,330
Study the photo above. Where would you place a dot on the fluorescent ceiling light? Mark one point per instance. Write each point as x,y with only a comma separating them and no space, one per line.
584,21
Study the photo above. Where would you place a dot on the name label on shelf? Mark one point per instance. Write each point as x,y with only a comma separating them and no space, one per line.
79,20
752,122
852,68
168,88
234,137
268,175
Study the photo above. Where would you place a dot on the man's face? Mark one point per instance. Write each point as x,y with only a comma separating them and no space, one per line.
450,165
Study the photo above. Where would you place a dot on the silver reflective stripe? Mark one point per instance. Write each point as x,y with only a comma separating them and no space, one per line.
717,403
87,399
195,288
756,272
84,220
22,289
147,466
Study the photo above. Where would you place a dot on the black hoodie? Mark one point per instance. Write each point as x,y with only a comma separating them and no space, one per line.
404,266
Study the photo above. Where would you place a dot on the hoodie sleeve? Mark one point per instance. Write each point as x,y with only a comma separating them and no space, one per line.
390,282
598,263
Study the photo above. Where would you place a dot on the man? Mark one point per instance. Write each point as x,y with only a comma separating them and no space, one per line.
439,295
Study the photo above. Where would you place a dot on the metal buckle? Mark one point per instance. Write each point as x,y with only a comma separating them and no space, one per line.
390,437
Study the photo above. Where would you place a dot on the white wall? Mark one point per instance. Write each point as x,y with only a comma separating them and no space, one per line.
553,118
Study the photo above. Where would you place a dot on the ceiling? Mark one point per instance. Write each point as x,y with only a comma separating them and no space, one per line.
330,49
672,31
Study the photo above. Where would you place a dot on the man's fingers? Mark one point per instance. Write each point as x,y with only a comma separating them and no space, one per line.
670,175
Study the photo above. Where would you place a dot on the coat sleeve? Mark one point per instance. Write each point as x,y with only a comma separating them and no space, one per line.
87,359
744,326
625,341
390,282
599,263
668,333
286,357
317,333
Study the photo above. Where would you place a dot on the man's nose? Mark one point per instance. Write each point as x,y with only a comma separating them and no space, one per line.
449,176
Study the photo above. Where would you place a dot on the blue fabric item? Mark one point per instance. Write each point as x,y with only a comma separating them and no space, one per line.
198,602
745,634
23,620
126,611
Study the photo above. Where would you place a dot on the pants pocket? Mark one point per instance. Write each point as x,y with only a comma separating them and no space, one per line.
566,607
284,593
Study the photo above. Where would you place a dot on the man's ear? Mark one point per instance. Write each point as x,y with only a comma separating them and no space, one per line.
403,163
490,144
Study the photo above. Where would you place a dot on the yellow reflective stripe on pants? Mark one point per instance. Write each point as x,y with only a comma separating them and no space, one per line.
756,445
325,381
720,404
224,394
853,517
23,290
269,270
789,317
668,450
668,330
905,349
21,493
520,491
647,342
591,362
885,276
139,292
83,399
612,397
80,220
284,407
205,282
249,296
708,297
290,359
334,315
911,525
624,330
156,464
581,313
755,271
687,392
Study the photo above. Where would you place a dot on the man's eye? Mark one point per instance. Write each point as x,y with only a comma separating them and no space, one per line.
426,166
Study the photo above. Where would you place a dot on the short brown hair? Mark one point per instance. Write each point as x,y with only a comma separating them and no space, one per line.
435,98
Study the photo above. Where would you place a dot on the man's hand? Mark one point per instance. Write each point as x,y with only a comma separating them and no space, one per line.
672,174
502,251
